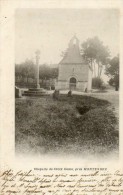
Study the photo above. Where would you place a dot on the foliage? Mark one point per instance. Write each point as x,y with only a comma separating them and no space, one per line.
55,125
97,83
112,70
94,51
46,72
25,69
28,70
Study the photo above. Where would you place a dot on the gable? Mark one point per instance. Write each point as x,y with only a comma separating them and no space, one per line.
73,55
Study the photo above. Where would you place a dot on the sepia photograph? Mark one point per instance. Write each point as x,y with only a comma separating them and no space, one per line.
67,83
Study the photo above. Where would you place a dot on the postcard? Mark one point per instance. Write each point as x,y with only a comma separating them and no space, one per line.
61,97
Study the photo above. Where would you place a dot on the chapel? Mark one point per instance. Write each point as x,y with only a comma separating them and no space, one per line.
74,71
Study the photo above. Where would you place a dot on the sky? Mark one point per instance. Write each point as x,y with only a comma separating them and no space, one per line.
50,31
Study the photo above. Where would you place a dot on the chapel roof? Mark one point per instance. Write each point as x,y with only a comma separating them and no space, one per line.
73,55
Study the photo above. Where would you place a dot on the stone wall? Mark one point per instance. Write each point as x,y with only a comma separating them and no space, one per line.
79,71
64,85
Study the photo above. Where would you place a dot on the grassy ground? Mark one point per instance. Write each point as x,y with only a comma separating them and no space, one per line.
44,125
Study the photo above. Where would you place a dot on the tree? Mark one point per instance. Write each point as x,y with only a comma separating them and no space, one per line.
47,72
112,70
54,72
29,69
25,69
95,52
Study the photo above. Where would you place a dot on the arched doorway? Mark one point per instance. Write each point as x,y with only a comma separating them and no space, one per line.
72,83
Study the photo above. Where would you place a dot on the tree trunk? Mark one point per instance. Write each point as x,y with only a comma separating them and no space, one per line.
101,70
94,70
98,69
92,65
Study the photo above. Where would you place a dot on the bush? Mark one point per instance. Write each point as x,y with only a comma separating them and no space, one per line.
52,87
97,83
115,83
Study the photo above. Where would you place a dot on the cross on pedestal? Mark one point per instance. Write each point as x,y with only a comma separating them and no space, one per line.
37,68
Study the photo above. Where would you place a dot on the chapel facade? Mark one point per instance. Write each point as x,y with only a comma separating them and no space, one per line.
74,72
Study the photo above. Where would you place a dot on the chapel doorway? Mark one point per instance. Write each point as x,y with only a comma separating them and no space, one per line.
72,83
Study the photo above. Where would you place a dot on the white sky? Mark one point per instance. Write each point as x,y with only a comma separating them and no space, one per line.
50,30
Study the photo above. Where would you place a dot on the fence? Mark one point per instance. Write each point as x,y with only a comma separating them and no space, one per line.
31,83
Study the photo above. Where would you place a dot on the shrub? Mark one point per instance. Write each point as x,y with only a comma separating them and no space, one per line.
52,87
97,83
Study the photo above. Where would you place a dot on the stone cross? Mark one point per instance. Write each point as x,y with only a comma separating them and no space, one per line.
37,68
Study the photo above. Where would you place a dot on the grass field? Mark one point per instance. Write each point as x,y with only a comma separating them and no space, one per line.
80,125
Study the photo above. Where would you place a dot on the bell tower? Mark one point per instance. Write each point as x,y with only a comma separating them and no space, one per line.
74,42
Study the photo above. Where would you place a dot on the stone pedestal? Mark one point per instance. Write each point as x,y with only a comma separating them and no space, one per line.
18,93
35,92
38,86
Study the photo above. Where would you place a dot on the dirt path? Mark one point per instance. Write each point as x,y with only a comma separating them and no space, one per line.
112,97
